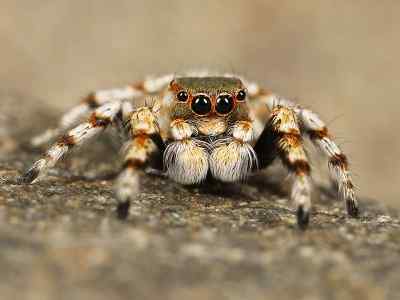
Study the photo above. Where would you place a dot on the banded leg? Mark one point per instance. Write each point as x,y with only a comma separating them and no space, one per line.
338,163
96,99
318,133
144,145
290,149
98,121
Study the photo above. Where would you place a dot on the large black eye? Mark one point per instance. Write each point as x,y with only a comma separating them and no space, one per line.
241,95
201,105
224,104
182,96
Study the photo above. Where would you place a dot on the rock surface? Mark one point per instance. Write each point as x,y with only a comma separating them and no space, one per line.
60,238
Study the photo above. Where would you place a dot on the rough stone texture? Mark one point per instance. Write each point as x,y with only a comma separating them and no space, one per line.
60,239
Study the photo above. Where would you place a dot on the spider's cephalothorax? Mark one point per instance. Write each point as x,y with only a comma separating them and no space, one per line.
209,130
220,126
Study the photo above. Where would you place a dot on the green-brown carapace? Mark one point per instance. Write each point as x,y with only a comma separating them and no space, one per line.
198,126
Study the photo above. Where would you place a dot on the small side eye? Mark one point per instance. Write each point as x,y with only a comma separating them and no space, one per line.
241,95
182,96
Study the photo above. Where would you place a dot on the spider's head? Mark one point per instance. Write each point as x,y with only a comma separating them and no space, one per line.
208,96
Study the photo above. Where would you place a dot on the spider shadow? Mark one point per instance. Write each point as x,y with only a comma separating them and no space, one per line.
249,190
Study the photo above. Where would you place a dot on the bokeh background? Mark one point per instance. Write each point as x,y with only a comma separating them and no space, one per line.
339,57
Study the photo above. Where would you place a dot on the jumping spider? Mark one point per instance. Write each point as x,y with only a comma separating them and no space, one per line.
199,126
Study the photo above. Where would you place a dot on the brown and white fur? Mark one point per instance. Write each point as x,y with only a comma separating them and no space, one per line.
199,126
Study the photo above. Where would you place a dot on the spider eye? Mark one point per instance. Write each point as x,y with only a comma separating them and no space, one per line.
201,105
241,95
224,104
182,96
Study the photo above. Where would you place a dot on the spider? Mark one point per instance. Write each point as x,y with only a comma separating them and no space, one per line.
199,126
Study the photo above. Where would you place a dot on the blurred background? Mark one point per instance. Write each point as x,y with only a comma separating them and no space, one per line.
338,57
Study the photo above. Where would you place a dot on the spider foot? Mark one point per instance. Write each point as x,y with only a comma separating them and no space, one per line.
29,176
123,210
303,218
352,208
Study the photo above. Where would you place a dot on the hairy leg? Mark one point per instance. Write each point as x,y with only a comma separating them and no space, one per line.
98,121
316,129
98,98
143,147
338,163
289,145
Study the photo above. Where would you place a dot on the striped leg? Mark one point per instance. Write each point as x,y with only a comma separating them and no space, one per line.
285,129
144,145
99,98
338,163
318,133
98,121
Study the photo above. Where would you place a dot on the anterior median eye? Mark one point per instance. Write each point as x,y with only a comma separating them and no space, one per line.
201,105
224,104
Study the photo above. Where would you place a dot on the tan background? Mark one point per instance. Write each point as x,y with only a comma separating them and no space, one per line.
339,57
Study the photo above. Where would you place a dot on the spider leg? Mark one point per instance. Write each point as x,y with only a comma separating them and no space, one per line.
88,105
316,129
144,146
289,145
98,98
338,163
98,121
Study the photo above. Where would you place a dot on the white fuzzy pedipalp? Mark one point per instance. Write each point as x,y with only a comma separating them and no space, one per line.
186,161
232,161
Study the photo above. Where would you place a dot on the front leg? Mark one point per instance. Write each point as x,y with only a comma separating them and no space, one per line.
143,148
289,145
234,158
